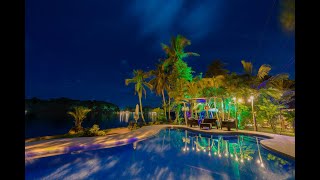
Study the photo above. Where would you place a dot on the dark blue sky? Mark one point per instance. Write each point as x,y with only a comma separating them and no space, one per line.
84,49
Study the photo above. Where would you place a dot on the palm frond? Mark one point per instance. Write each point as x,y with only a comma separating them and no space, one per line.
263,71
128,81
247,66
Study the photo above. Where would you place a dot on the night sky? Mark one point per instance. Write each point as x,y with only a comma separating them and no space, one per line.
85,49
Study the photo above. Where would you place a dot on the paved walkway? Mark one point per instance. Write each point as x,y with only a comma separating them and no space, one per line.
282,144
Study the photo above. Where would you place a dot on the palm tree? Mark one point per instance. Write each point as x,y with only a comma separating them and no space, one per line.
178,95
260,76
174,64
79,115
139,78
216,68
175,51
159,83
285,86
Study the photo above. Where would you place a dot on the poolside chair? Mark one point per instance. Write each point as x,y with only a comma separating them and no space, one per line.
191,121
208,125
211,121
231,123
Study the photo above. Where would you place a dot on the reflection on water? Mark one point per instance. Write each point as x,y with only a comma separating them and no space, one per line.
126,116
171,154
47,127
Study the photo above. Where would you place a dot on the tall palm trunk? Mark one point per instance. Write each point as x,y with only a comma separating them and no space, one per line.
229,110
191,109
141,109
164,104
169,110
215,106
185,113
222,108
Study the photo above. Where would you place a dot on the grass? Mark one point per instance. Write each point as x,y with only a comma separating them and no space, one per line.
269,130
67,135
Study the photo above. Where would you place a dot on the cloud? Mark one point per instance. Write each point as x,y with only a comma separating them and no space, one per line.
124,62
159,20
202,19
154,16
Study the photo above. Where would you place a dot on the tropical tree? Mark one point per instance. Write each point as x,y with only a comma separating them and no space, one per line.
175,51
285,86
178,93
287,15
269,111
159,83
79,114
215,85
252,79
216,68
139,78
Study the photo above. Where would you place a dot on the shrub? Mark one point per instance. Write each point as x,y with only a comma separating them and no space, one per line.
133,126
95,128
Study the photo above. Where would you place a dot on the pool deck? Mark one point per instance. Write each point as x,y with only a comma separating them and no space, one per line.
284,145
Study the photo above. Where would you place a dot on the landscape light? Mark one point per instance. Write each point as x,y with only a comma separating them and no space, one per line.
240,100
234,98
258,161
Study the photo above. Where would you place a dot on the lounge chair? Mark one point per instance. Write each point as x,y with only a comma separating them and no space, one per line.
228,124
208,125
213,122
191,121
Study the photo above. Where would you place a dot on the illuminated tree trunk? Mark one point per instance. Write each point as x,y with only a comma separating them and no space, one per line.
229,111
222,108
215,106
236,118
169,110
141,109
281,121
185,113
164,104
191,109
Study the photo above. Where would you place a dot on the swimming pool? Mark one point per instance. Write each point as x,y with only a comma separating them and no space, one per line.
171,154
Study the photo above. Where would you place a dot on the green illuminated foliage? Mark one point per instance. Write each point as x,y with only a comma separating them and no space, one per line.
227,92
269,111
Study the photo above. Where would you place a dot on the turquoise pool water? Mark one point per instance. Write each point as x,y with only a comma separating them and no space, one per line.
171,154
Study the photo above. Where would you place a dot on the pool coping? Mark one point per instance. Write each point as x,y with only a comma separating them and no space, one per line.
281,144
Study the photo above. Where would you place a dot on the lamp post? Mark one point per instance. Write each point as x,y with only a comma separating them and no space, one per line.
253,117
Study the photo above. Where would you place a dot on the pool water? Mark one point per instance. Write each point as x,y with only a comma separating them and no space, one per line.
171,154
